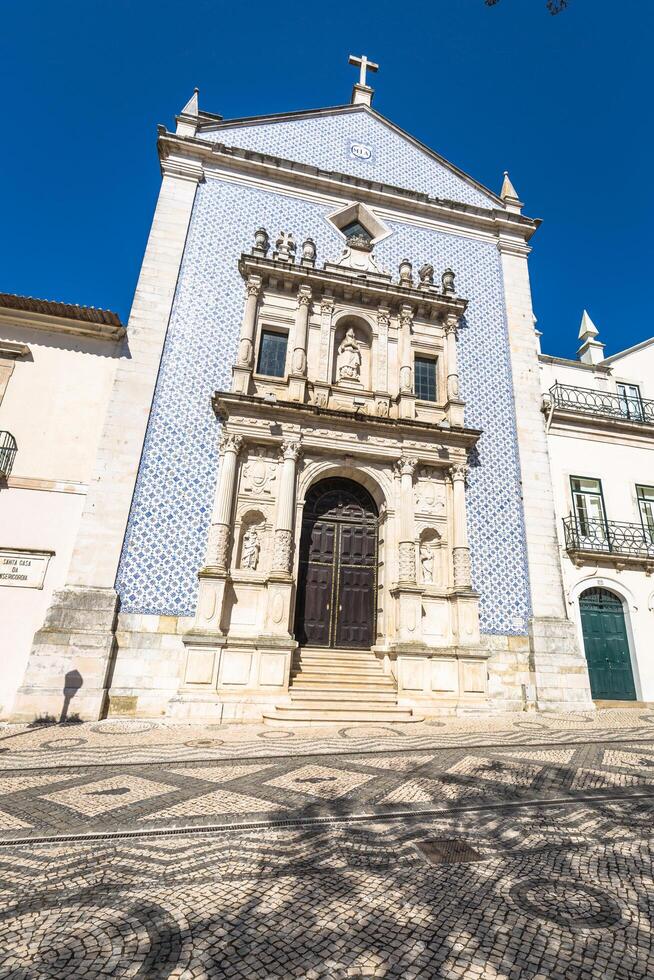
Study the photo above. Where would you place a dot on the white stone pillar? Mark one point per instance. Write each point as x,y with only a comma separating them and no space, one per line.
383,323
406,363
301,331
283,550
219,532
460,549
451,325
407,394
407,545
246,345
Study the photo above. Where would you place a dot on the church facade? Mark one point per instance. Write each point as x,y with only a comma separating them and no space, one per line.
323,487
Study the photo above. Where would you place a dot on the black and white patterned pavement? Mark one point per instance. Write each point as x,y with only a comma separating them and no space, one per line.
501,857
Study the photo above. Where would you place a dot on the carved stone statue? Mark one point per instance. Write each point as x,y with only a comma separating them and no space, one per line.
349,358
251,548
427,563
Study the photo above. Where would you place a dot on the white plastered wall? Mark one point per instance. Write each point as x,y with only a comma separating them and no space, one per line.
54,406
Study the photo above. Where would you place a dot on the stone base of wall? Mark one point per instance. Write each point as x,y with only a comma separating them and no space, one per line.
69,665
511,684
559,667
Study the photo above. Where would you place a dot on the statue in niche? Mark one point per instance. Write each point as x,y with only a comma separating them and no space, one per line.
251,548
427,563
349,358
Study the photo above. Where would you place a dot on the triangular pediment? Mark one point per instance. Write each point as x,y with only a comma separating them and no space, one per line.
355,140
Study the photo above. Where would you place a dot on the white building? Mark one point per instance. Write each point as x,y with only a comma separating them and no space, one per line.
57,365
600,424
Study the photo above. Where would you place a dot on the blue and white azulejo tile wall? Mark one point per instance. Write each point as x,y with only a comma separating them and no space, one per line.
167,530
357,143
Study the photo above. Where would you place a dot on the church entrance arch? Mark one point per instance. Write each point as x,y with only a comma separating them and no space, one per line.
337,575
606,646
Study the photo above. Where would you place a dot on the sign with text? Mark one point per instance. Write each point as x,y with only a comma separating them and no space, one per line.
23,569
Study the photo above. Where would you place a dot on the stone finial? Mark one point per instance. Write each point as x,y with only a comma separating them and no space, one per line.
426,274
285,247
309,252
187,120
191,108
509,195
261,243
447,280
406,273
591,350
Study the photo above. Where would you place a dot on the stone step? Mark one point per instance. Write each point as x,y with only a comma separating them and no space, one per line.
347,680
331,656
338,693
326,683
316,715
358,669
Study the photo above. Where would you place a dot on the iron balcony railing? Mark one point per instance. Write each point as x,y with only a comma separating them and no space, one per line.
8,450
608,537
589,401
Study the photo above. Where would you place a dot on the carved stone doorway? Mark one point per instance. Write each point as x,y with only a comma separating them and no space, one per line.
337,577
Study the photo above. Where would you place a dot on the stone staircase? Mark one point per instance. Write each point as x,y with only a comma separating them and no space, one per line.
339,686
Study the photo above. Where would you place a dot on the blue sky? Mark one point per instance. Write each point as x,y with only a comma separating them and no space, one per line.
563,102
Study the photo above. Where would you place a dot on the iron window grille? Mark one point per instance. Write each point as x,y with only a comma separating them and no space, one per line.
425,379
8,450
589,401
607,537
272,354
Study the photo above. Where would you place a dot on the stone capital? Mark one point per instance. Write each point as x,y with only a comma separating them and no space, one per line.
383,316
406,466
304,296
451,324
458,471
290,449
253,285
230,443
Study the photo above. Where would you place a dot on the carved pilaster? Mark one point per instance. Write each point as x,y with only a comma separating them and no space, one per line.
451,333
407,561
283,550
406,369
246,343
218,546
383,323
462,568
460,550
326,313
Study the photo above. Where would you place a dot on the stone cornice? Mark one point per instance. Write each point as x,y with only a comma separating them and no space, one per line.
265,420
366,289
249,163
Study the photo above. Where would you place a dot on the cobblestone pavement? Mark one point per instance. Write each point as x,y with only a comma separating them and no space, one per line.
495,858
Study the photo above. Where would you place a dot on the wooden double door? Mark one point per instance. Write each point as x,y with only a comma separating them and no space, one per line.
606,646
337,577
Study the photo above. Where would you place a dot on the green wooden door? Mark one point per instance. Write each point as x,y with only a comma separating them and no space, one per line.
606,646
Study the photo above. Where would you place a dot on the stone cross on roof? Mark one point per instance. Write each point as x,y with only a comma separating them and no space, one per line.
364,64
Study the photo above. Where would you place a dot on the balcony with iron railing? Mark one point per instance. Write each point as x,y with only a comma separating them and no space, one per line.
8,450
602,404
619,540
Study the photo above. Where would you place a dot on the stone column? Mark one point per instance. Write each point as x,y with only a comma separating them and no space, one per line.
407,592
460,549
242,370
407,545
299,362
283,550
407,395
219,532
383,323
453,395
